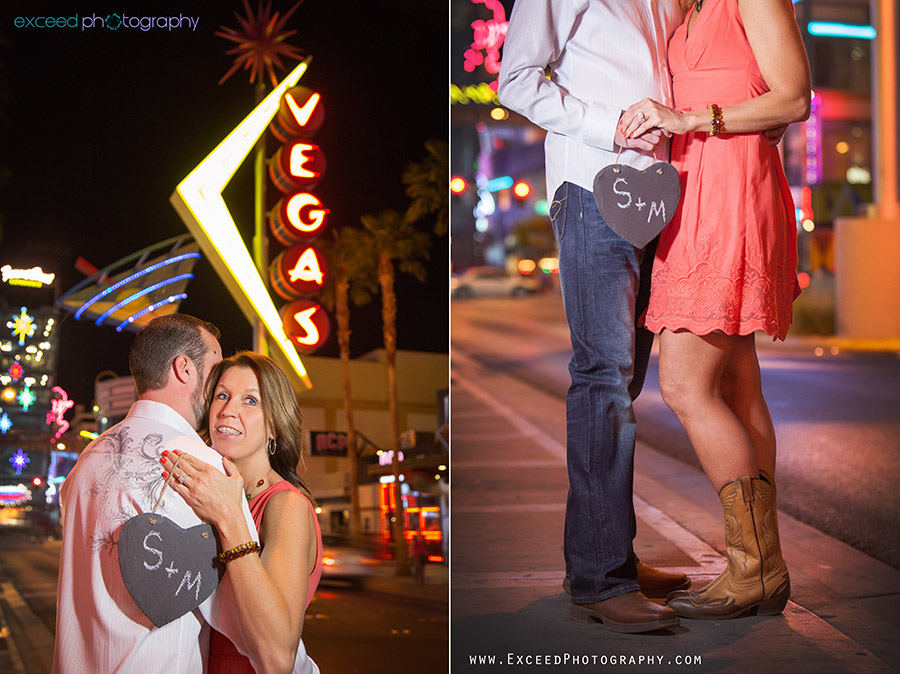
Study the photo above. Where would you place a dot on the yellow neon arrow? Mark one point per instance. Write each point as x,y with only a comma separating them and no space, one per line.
198,200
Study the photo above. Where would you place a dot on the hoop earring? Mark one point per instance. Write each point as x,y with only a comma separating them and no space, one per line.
272,446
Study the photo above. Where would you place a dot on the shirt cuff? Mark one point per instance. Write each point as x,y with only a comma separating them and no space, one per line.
600,126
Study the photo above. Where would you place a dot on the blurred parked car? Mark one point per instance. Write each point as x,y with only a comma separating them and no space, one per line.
491,282
341,561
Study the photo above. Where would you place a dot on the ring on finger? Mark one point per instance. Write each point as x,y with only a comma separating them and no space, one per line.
181,478
642,117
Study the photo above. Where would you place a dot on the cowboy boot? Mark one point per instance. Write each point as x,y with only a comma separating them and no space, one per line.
775,578
748,582
684,593
654,583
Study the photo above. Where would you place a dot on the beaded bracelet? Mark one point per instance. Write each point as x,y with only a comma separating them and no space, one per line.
239,551
717,125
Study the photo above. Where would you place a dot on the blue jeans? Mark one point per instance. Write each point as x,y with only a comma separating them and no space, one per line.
605,285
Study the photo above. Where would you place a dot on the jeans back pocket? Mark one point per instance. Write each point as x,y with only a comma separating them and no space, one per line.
558,211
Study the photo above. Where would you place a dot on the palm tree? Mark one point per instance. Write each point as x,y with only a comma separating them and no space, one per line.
260,42
397,246
351,279
427,184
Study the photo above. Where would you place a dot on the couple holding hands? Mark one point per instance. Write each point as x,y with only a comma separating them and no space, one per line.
615,80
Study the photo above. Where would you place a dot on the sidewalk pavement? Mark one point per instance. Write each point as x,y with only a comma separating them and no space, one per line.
509,491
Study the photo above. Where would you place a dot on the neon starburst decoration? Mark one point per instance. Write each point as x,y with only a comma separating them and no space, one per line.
5,423
22,326
16,371
26,398
19,460
260,41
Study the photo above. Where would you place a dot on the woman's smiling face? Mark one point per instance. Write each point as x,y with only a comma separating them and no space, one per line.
237,424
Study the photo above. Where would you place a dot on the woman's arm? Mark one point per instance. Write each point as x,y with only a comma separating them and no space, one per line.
774,36
269,590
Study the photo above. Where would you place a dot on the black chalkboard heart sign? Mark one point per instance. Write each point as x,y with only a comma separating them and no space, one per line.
167,570
637,205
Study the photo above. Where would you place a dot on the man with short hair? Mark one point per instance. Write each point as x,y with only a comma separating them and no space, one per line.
100,629
601,56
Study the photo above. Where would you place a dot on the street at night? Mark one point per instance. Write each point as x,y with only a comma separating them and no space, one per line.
395,626
835,415
839,443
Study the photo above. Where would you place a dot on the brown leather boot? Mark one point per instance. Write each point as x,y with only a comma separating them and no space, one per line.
756,578
655,583
629,613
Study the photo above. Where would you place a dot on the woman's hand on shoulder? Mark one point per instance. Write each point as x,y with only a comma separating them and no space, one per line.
214,497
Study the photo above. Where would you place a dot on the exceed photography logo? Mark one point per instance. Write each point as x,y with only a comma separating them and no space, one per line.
111,21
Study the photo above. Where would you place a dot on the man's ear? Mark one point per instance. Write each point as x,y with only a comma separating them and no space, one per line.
182,369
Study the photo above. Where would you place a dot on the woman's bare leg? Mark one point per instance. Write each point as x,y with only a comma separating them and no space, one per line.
742,391
691,368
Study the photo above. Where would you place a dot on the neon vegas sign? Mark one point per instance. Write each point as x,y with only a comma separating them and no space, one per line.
33,278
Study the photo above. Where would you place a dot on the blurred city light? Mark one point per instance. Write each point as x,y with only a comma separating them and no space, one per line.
526,266
803,279
857,175
829,29
458,185
499,114
501,183
522,189
549,265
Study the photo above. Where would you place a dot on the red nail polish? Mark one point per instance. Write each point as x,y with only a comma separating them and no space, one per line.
165,452
165,474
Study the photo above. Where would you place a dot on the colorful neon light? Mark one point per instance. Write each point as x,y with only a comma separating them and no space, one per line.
33,278
149,289
489,37
19,460
814,142
26,398
830,29
198,200
153,307
299,159
307,268
16,371
307,324
22,326
14,495
310,336
58,407
305,212
302,113
458,185
5,423
480,94
501,183
129,279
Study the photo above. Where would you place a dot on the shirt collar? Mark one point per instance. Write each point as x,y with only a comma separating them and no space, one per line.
161,413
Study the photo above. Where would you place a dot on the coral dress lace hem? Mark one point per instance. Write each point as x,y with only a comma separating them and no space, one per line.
728,259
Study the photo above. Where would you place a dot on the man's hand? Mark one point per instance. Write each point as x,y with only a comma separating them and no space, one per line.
775,135
646,142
